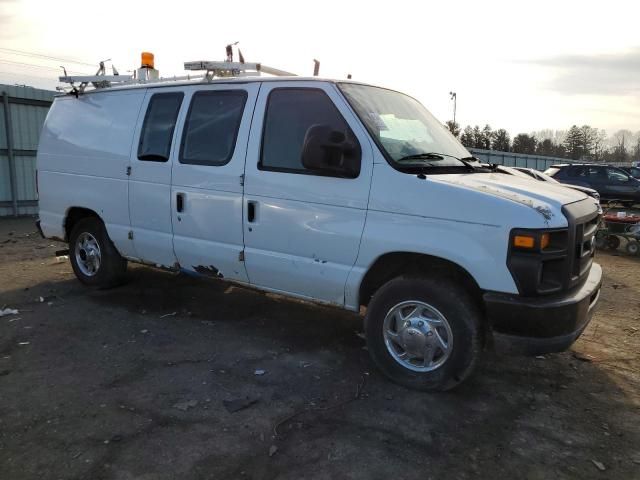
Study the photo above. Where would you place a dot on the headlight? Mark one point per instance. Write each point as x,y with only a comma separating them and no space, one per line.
537,260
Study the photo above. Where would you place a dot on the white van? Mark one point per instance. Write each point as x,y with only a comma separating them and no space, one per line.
331,191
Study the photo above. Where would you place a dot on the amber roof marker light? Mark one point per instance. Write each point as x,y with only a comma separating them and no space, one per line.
147,60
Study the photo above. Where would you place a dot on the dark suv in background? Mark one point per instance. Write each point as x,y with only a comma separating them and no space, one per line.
612,183
633,171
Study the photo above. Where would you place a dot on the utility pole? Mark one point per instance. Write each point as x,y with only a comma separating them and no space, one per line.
454,97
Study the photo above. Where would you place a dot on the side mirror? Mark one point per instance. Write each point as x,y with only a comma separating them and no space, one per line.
329,152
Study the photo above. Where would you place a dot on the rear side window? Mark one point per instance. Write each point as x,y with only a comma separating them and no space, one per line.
617,176
578,172
290,112
159,124
211,128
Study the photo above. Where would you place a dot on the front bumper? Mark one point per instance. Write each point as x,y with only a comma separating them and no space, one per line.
534,326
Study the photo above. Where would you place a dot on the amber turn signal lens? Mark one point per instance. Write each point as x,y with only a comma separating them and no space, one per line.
524,241
147,59
544,241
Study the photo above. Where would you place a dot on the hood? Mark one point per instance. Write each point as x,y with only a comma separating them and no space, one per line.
526,191
587,190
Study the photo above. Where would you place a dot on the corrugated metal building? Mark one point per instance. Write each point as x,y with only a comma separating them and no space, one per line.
22,113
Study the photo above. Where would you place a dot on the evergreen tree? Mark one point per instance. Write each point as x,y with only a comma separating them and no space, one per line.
467,137
573,143
524,143
478,138
487,137
501,140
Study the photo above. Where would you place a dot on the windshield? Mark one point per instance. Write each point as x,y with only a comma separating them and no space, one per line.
403,128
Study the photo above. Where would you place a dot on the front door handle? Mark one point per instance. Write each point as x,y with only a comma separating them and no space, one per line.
180,202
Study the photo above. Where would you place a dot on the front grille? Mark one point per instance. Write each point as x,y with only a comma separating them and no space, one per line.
583,223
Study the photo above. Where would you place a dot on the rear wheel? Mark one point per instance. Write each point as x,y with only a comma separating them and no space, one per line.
633,247
94,258
424,333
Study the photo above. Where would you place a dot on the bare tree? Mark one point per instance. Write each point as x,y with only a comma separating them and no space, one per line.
599,144
453,127
621,138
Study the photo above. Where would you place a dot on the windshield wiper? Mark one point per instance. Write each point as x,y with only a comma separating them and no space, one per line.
440,156
422,156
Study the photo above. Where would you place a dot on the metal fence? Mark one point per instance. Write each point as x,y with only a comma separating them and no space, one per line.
22,113
510,159
538,162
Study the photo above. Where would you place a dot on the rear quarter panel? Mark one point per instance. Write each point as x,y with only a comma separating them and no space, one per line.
83,158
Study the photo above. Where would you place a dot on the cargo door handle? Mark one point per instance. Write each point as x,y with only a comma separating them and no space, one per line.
251,211
180,202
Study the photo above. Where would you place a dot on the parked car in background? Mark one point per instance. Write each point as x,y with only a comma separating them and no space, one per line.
612,183
543,177
633,171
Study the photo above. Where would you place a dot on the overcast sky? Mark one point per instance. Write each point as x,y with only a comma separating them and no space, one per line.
523,66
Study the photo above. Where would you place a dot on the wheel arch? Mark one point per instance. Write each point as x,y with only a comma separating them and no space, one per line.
394,264
73,216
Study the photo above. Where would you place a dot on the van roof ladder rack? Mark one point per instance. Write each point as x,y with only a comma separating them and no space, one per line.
234,69
146,74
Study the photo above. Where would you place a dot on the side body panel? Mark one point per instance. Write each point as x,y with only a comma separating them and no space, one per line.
82,160
306,233
208,236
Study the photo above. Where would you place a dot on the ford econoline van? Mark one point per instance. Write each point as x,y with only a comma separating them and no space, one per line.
330,191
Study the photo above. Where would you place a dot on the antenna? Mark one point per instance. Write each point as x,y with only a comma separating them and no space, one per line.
316,67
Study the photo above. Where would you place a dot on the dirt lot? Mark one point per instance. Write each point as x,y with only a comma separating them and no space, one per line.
135,382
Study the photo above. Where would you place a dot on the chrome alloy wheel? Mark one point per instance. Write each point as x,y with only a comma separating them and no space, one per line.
88,256
417,336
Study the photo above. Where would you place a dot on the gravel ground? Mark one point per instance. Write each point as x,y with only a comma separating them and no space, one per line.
138,382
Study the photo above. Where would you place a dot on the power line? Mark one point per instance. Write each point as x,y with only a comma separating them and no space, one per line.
47,57
32,65
22,76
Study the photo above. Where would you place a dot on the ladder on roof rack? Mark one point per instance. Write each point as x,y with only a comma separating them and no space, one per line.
234,69
211,71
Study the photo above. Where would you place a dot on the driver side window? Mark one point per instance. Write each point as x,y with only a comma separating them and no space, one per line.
290,113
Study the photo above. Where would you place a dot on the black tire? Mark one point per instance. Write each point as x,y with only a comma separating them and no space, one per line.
112,268
613,242
633,247
461,313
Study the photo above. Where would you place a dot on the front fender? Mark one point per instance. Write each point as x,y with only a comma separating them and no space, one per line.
480,249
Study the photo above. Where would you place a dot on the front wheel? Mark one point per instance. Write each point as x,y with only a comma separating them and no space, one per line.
424,333
94,258
612,242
